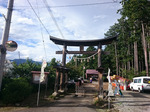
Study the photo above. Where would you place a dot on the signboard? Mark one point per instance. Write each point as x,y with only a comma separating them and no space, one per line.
36,77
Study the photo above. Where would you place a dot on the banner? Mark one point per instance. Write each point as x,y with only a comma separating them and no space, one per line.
42,76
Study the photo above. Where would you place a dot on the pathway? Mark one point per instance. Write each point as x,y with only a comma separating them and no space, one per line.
133,102
70,103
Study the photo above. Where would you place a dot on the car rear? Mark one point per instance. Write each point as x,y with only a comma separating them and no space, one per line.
146,84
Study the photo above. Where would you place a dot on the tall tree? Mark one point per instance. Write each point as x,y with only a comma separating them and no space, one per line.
137,12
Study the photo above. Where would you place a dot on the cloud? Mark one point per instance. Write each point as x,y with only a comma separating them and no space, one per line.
79,23
25,21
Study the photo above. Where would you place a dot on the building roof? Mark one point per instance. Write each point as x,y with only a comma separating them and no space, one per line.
91,71
96,42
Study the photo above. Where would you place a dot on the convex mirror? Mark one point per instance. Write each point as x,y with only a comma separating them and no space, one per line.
11,45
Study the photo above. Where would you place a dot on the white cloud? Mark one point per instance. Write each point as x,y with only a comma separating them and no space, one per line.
25,21
83,22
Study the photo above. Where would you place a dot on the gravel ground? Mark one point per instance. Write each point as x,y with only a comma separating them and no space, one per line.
133,102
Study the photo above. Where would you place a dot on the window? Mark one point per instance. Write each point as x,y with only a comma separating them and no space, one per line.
139,80
135,80
146,80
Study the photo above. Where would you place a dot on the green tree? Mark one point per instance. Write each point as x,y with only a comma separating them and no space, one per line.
137,13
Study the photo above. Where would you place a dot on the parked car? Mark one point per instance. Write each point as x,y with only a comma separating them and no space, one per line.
140,84
71,82
128,85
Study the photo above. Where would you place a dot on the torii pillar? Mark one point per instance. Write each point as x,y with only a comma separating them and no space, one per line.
100,70
66,78
62,73
61,89
56,82
64,55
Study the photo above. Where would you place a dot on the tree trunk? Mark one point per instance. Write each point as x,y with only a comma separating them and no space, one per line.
140,66
148,45
125,68
145,49
132,61
149,53
135,58
119,70
116,59
128,63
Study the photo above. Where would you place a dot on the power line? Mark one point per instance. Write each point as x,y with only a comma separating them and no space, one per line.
82,5
38,17
40,22
53,18
78,5
42,34
42,25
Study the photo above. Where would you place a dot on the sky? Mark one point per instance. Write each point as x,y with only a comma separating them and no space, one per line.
75,18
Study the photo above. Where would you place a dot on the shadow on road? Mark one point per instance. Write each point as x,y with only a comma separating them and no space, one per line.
137,95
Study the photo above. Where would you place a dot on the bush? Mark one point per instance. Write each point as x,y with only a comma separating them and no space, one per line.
16,91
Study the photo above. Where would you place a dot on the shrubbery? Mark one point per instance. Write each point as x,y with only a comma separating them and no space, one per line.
16,90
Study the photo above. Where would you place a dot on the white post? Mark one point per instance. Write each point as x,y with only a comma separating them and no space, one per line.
38,96
5,38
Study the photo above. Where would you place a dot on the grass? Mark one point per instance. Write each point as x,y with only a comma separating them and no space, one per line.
31,101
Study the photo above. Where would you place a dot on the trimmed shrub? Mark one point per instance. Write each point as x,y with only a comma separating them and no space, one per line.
16,91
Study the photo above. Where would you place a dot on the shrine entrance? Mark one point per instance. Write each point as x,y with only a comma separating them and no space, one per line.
62,70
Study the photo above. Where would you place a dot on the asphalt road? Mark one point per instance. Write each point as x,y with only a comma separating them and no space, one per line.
132,101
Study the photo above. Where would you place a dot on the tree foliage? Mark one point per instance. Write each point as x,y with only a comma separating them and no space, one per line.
130,42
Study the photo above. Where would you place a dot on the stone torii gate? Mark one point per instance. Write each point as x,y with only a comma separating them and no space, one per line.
81,44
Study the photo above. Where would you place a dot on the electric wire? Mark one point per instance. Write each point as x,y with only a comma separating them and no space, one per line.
40,20
38,17
51,14
81,5
53,18
42,35
77,5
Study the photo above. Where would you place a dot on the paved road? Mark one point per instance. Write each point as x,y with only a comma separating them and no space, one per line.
133,102
70,103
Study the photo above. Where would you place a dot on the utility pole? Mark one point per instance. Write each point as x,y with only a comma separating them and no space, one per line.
19,57
5,38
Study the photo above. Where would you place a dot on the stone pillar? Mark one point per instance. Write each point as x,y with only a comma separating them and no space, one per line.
100,80
56,83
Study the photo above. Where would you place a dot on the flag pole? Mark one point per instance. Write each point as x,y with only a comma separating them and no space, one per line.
41,79
38,94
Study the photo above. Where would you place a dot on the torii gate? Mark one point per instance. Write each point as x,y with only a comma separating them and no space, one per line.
81,44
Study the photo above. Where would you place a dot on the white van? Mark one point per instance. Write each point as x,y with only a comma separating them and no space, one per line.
140,83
